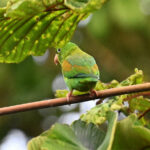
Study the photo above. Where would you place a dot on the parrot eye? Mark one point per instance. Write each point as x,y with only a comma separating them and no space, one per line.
58,50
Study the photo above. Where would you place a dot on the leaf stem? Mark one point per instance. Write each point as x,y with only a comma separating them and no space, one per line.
75,99
146,93
144,113
53,7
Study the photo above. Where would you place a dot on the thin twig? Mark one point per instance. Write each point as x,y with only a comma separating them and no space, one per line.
144,113
145,93
75,99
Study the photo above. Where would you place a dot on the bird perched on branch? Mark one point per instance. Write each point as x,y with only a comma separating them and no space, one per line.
79,69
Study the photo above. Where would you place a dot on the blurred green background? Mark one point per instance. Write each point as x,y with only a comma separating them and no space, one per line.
117,35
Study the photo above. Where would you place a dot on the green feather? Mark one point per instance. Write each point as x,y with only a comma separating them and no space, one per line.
79,68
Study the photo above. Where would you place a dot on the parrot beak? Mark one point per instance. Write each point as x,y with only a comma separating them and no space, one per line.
56,59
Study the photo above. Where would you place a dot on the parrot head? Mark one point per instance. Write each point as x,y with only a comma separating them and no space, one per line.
64,52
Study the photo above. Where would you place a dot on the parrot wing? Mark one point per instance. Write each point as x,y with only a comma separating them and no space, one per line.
80,65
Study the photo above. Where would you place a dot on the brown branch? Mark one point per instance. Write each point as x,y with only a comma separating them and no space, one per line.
75,99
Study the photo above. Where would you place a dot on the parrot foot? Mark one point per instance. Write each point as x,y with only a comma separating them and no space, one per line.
69,95
93,93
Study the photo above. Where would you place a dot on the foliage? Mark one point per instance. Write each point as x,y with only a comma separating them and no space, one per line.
114,135
78,136
30,27
116,103
131,134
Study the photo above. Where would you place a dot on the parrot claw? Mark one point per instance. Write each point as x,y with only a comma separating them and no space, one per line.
93,93
68,96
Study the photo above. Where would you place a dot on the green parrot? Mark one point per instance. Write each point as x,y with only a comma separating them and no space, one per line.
79,69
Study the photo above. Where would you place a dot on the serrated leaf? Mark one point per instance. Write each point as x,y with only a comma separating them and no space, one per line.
98,114
130,135
139,103
58,137
84,5
79,136
32,36
29,27
23,8
136,78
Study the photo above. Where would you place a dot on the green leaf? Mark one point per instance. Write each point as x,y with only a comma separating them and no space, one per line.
136,78
2,12
63,93
98,114
79,136
58,137
84,5
3,3
140,103
130,135
32,36
24,8
30,27
112,122
89,135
